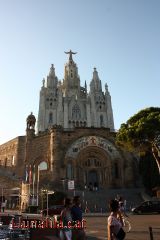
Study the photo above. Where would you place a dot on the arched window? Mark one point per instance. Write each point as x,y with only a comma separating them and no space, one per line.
50,118
43,166
101,121
13,160
76,112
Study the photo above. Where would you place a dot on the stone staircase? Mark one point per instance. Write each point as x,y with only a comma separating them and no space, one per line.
97,201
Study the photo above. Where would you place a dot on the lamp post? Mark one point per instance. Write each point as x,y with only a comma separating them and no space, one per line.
43,191
63,180
1,200
48,193
2,194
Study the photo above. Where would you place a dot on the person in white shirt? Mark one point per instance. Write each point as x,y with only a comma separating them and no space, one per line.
66,217
115,222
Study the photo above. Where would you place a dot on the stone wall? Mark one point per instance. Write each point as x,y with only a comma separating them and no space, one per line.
51,147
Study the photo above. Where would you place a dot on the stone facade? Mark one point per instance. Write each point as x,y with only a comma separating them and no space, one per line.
87,155
75,138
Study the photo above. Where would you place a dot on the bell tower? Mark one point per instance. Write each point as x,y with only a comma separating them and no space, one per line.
30,129
48,101
71,82
101,107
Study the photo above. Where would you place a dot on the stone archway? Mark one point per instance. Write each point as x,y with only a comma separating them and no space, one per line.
91,165
92,159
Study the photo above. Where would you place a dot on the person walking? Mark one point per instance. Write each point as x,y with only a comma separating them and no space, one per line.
115,222
78,227
3,206
66,231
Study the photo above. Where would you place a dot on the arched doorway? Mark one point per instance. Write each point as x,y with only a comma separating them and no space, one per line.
92,158
90,168
93,178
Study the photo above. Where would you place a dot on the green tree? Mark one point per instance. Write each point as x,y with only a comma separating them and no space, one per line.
141,133
149,171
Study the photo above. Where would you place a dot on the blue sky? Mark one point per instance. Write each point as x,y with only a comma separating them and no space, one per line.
121,38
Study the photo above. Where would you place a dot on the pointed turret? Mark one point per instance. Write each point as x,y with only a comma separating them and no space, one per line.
85,86
31,121
43,82
48,101
52,79
71,83
106,88
96,85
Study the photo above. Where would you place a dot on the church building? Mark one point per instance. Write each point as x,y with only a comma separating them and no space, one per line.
72,139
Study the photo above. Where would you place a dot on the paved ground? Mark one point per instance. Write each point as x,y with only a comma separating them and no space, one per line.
97,227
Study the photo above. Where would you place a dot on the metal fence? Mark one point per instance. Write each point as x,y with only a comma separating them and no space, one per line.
154,231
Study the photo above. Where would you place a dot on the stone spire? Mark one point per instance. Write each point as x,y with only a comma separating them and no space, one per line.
30,130
96,82
51,78
106,89
85,85
71,83
52,71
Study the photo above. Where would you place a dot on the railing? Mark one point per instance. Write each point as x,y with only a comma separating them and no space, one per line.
151,232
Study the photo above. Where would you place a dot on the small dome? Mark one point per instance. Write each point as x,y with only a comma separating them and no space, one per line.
31,117
31,120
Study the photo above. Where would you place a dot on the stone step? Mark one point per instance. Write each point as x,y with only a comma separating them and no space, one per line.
97,201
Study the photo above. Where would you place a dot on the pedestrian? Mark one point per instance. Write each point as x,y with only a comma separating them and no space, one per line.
95,186
66,231
78,228
115,222
125,204
122,209
3,206
86,209
90,187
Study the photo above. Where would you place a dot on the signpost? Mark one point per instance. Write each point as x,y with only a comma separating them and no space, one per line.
71,185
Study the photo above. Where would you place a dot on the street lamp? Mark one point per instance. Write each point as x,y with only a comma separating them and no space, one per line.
63,183
48,193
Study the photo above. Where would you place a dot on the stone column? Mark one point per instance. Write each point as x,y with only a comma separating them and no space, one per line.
65,113
55,152
88,115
